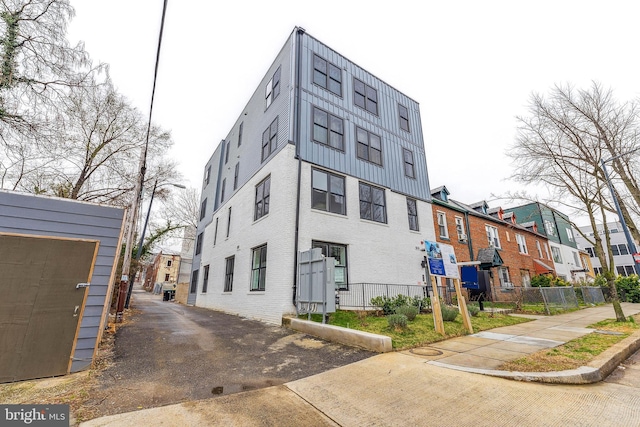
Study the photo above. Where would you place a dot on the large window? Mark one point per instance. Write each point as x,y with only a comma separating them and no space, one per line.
328,192
228,274
270,139
590,251
409,169
412,212
549,228
364,96
259,268
619,249
403,116
194,281
263,191
522,244
557,256
205,279
372,203
339,253
273,88
369,146
327,75
505,281
492,236
328,129
442,225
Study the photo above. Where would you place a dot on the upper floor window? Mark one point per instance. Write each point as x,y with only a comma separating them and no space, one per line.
203,209
263,191
462,236
273,88
328,129
229,222
557,256
576,259
372,203
546,250
364,96
328,192
169,263
223,186
492,236
412,212
442,225
403,115
240,134
207,175
522,244
270,139
409,169
369,146
570,235
590,251
539,248
549,228
198,244
235,176
226,152
327,75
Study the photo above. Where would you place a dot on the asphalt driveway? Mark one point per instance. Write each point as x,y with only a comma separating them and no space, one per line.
172,353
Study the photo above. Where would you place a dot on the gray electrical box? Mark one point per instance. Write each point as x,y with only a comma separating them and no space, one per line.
316,291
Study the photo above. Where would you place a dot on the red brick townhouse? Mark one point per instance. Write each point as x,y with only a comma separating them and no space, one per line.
511,253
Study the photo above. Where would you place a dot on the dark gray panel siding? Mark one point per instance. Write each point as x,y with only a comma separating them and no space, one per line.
44,216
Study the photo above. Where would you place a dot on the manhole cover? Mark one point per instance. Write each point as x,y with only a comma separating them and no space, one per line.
426,352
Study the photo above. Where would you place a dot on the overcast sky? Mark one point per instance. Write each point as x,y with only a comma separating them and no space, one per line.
471,65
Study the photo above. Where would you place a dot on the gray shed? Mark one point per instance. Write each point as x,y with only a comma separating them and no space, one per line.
57,266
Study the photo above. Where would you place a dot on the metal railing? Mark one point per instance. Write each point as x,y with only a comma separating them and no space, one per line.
358,296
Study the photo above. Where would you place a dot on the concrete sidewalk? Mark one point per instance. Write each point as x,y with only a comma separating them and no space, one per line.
390,388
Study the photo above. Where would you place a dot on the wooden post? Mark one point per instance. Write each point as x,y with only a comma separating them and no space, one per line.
462,306
435,307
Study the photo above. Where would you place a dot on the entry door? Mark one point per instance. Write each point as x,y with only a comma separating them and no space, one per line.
41,303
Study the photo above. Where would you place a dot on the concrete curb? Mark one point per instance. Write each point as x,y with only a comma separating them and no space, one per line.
366,340
596,370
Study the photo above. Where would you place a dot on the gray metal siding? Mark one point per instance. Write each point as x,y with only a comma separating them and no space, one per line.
44,216
386,125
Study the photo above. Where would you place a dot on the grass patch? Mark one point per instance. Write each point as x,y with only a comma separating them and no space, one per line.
577,352
419,332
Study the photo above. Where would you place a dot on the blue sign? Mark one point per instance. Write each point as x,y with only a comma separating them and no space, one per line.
469,275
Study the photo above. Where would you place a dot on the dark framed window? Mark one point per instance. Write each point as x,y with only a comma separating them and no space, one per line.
203,209
240,134
270,139
228,274
226,152
223,186
194,282
263,191
328,129
207,175
412,212
259,268
167,277
327,75
339,253
199,244
372,203
364,96
205,279
273,88
229,222
403,116
215,235
369,146
235,176
328,192
409,169
623,249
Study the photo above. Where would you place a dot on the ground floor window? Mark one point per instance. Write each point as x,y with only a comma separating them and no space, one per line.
259,268
205,279
339,253
503,274
525,278
228,274
194,281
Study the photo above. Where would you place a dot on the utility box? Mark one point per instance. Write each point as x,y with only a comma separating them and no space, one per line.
316,290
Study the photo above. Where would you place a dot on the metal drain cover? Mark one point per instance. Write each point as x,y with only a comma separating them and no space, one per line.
425,351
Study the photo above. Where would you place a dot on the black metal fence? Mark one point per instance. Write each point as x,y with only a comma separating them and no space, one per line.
358,295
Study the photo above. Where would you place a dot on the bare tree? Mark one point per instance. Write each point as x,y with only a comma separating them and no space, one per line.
561,143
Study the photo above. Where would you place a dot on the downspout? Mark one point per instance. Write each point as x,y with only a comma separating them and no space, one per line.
469,243
296,123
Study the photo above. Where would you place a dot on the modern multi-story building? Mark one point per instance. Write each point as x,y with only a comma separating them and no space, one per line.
622,255
562,242
325,155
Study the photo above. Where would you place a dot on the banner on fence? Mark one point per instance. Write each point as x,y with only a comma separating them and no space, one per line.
441,259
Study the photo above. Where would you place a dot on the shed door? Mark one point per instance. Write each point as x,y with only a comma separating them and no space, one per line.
40,305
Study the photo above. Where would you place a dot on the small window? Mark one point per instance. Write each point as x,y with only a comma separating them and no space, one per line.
525,278
549,228
222,187
194,282
369,146
215,235
169,263
460,230
576,259
492,236
403,115
240,134
522,244
229,222
614,250
328,129
270,139
263,192
203,209
590,251
227,145
503,274
539,248
259,268
409,169
207,175
228,274
623,249
273,88
442,225
166,277
205,279
372,203
235,176
198,244
339,253
328,192
412,212
557,256
570,235
365,96
327,75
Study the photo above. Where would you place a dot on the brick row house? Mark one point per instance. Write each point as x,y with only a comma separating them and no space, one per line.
512,253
